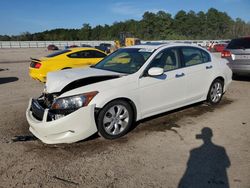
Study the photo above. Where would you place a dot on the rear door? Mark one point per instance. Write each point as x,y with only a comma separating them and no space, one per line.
199,72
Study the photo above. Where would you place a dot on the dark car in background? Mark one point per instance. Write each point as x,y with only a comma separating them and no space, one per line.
237,53
52,47
85,45
105,47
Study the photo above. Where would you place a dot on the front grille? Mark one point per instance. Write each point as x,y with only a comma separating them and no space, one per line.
45,101
37,110
48,99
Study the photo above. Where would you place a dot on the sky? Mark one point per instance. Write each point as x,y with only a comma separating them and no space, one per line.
17,16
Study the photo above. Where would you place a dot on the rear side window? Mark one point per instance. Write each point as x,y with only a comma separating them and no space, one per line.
241,43
98,54
205,56
194,56
58,53
87,54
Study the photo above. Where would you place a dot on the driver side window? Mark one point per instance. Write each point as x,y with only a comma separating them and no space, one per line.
167,59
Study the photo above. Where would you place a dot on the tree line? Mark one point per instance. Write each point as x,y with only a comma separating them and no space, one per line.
210,25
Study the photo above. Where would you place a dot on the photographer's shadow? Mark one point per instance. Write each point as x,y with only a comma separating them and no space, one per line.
207,165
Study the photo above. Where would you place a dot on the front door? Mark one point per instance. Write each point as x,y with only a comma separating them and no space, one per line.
165,92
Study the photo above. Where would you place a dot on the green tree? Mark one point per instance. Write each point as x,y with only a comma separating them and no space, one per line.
85,32
202,25
212,24
180,26
148,26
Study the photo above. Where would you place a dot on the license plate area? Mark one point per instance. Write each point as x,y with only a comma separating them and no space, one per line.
240,57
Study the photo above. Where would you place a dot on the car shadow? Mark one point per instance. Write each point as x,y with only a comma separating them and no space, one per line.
168,120
6,80
207,164
241,78
3,69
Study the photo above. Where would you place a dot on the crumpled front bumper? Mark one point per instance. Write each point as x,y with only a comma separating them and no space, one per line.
73,127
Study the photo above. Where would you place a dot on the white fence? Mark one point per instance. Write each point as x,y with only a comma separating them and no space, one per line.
62,44
44,44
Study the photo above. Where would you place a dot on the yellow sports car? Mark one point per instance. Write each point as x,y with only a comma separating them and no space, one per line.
64,59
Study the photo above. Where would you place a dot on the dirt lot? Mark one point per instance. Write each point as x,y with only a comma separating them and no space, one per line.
154,154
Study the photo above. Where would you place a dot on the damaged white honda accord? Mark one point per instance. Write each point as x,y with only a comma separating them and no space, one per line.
129,85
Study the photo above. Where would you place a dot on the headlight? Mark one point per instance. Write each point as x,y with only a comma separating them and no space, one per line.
73,102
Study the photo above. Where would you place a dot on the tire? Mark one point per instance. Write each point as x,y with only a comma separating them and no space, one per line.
115,119
215,92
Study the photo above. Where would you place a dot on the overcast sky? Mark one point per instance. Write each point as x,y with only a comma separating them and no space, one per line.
19,16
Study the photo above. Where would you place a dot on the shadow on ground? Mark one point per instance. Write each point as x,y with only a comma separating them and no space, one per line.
169,120
95,144
6,80
207,164
3,69
241,78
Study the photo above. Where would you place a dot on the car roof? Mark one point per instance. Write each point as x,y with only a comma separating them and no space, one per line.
154,46
76,49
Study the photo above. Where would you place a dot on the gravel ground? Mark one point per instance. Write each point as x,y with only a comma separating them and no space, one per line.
163,151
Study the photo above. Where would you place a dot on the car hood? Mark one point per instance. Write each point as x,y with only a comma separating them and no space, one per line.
57,81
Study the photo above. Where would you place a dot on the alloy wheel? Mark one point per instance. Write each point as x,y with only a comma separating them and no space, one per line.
116,119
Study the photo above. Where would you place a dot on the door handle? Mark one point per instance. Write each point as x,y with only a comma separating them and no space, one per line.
179,75
209,67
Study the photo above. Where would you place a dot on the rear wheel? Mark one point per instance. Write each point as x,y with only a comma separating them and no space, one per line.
215,92
115,119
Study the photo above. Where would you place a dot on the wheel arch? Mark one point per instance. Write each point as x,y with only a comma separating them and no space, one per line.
212,80
208,97
217,77
222,79
129,101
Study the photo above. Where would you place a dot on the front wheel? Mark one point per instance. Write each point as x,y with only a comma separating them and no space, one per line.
115,119
215,92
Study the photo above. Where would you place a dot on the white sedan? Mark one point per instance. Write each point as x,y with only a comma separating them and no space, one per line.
129,85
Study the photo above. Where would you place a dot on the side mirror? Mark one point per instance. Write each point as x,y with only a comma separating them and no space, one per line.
155,71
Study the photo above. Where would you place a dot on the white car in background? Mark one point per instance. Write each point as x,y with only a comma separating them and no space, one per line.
129,85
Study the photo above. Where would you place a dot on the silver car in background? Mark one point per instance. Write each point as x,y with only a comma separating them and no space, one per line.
237,53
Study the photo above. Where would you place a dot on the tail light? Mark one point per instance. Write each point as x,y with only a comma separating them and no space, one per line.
225,53
35,65
38,65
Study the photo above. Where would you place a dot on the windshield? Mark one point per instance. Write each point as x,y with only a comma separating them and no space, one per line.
58,53
126,60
